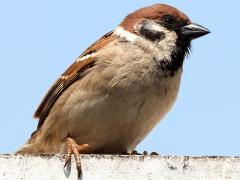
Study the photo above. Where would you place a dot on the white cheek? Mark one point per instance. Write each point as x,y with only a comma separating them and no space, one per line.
168,44
162,49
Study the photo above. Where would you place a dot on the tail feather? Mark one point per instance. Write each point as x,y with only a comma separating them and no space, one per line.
31,146
27,149
36,146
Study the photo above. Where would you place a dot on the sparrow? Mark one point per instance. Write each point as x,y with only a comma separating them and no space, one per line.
118,89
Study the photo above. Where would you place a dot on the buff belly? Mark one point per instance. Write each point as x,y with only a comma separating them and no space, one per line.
108,126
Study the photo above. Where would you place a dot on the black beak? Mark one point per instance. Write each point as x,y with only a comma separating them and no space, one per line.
193,31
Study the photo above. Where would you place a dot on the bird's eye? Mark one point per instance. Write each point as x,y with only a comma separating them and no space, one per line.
169,20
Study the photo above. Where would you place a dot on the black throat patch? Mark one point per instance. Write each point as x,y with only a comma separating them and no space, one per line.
168,68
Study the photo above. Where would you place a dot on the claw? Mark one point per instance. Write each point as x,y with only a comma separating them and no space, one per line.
74,148
134,152
154,153
145,153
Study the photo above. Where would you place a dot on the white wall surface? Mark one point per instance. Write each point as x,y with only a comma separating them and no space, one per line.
108,167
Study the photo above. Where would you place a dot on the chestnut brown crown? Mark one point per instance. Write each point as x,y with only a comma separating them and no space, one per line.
155,12
168,17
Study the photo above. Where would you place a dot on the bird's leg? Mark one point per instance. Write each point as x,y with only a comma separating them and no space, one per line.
69,151
74,148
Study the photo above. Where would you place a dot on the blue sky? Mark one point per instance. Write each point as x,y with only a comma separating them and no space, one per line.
40,39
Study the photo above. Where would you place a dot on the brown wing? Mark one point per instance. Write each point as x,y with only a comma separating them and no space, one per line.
73,73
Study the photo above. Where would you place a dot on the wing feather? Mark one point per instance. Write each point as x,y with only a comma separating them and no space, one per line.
59,87
73,73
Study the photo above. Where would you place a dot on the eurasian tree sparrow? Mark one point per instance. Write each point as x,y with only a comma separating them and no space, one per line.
113,95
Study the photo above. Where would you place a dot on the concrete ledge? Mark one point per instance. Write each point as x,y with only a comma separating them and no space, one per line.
109,167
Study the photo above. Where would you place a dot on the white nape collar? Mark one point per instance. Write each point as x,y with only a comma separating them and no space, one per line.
121,32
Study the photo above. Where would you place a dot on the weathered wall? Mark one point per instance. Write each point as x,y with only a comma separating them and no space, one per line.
106,167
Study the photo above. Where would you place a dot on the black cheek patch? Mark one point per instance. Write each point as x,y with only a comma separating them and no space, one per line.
151,34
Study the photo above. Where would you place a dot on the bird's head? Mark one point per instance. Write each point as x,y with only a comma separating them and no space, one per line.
169,29
159,21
